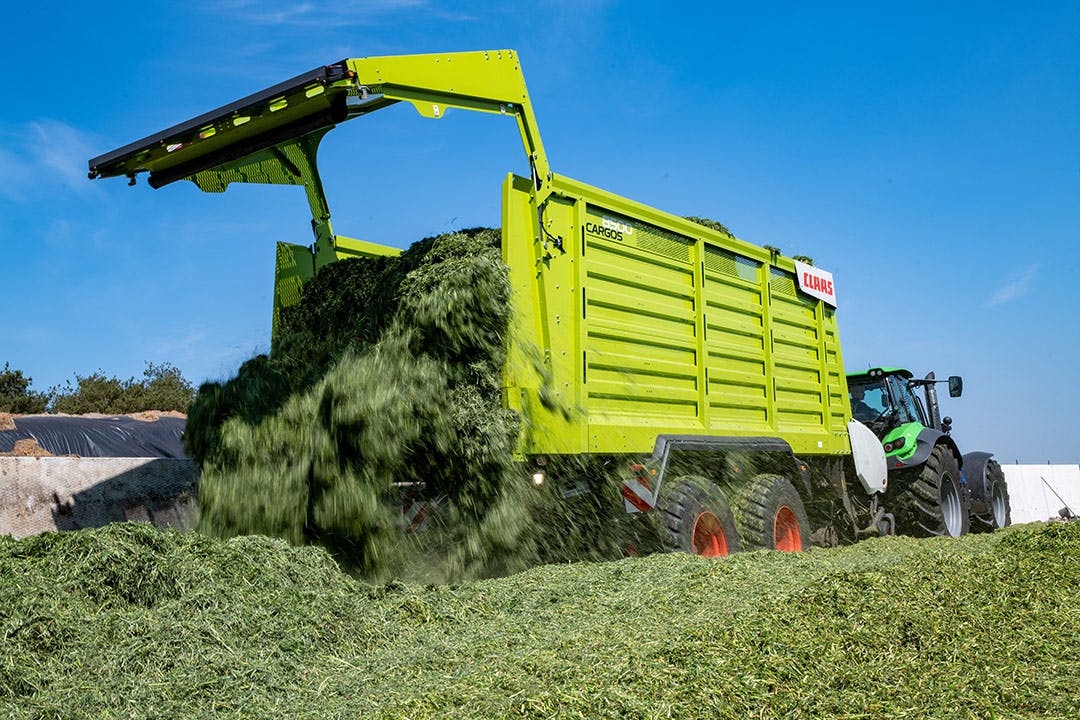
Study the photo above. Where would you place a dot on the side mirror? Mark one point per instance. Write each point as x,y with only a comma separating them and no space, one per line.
956,385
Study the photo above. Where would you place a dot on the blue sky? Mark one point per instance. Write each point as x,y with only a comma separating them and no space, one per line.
927,154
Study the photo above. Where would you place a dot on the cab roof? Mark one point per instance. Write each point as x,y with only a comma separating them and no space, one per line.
880,372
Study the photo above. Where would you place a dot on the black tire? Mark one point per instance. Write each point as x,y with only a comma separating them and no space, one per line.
999,513
693,516
931,500
772,515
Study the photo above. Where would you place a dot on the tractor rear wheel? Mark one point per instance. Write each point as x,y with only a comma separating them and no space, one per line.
693,516
1000,514
772,515
932,500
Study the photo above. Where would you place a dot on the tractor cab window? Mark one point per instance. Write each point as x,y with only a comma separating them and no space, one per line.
869,400
920,410
907,410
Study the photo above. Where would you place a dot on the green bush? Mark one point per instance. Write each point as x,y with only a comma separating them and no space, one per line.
15,393
162,387
91,393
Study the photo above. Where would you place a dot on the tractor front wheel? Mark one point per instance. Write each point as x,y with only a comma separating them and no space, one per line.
772,515
693,516
932,500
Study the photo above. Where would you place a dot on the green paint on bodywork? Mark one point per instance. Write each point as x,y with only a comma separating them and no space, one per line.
910,432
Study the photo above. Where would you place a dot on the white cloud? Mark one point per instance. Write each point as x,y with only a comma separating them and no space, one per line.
16,178
1015,288
343,13
185,345
63,151
38,156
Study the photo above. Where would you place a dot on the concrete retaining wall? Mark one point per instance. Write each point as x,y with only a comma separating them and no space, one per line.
58,493
1038,492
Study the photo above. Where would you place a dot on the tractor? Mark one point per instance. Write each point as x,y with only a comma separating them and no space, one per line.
933,489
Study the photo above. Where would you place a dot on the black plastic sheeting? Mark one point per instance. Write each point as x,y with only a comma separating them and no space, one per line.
119,436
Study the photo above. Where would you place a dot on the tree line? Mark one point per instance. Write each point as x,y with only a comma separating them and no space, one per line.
162,387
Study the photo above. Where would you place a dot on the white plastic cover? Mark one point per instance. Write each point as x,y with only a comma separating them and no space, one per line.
869,457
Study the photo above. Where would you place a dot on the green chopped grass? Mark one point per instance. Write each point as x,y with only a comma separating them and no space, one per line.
388,373
127,621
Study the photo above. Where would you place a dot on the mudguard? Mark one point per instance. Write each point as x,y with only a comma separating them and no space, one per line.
974,471
928,438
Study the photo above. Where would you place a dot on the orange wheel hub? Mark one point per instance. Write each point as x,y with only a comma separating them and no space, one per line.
709,537
786,534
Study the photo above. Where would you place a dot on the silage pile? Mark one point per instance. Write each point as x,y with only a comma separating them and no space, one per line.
127,621
387,375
